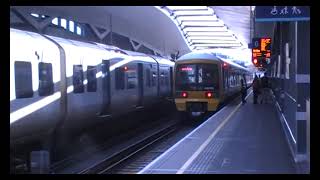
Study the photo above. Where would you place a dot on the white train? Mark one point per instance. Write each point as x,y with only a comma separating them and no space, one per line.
78,84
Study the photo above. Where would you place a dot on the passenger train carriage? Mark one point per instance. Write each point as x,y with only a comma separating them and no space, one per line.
203,81
57,82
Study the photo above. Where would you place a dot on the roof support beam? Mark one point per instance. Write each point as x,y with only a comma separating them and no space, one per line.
100,35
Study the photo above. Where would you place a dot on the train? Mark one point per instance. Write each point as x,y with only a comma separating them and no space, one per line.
57,82
203,81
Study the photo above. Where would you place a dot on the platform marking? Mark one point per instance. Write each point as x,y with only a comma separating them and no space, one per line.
181,140
204,145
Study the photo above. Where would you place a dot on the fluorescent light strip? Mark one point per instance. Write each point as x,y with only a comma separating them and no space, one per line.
192,13
206,29
217,45
198,18
187,7
202,23
193,38
220,34
214,41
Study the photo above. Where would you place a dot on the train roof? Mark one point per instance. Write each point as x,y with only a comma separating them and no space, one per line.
205,54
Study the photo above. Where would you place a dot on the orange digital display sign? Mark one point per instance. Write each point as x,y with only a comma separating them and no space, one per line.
265,44
261,52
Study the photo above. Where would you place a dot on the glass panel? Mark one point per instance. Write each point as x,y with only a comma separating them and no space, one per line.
23,79
186,77
197,77
45,79
132,79
71,26
78,30
55,21
64,23
77,79
208,77
92,80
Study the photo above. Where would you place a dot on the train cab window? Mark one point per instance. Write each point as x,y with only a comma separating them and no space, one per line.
208,77
119,78
92,80
148,76
23,79
131,79
77,79
45,79
197,77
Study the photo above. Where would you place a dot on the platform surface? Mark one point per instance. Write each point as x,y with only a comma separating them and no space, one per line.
239,139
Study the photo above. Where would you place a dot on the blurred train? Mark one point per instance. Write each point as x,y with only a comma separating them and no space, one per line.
60,82
202,81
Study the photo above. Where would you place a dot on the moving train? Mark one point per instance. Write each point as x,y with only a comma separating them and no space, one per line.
202,81
57,82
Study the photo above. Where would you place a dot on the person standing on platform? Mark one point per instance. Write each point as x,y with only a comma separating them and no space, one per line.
256,89
243,92
264,88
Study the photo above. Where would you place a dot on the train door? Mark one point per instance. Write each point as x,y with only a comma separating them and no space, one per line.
140,85
106,94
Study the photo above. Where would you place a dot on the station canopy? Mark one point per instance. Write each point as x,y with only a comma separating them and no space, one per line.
203,29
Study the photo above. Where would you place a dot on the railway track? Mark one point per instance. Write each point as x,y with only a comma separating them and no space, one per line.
97,159
105,165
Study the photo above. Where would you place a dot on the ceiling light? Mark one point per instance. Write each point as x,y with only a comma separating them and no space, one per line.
213,29
198,18
203,23
217,45
212,38
228,34
214,41
192,13
187,7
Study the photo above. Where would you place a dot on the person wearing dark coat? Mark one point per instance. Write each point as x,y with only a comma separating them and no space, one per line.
256,89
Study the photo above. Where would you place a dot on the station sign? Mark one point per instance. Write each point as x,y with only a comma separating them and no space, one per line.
261,51
282,13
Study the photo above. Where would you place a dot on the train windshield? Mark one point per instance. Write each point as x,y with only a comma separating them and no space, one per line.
194,77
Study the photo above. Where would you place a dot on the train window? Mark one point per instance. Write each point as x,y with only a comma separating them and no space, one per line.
92,80
119,78
154,77
166,79
162,78
77,79
45,79
23,79
208,76
132,79
148,75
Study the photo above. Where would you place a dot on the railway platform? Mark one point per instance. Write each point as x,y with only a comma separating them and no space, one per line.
239,139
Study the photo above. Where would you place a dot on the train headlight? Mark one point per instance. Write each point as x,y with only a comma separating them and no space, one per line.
209,94
184,94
